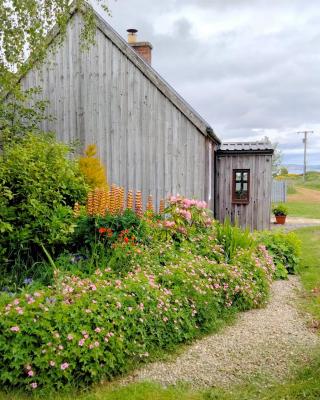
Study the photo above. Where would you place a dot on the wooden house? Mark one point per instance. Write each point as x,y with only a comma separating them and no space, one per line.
244,183
148,136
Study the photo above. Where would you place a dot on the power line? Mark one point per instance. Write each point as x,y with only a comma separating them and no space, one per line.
305,140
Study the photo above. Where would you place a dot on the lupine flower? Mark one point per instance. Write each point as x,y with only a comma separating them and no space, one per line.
34,385
30,373
81,342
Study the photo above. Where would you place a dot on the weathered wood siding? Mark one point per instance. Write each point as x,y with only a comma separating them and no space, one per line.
256,214
100,96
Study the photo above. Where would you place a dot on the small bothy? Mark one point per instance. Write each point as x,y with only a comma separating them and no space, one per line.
244,180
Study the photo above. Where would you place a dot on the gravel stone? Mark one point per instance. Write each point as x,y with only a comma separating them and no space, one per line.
262,341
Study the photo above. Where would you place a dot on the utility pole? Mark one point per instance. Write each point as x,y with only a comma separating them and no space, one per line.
305,140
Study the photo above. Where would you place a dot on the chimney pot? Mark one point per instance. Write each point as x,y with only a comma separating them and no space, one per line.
144,49
132,35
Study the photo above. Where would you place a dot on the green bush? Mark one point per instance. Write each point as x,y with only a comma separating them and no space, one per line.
81,330
284,247
232,238
157,286
39,185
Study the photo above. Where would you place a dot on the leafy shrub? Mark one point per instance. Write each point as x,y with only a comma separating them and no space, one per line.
92,169
81,330
38,187
232,238
158,287
284,247
185,217
100,238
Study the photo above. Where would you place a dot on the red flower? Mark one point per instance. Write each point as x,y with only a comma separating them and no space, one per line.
126,239
102,230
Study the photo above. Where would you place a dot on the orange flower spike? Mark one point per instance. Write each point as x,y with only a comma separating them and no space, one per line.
96,201
108,195
102,202
130,200
90,204
76,210
150,204
121,200
138,205
118,200
162,206
112,200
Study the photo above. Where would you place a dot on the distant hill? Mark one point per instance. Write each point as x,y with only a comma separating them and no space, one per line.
298,169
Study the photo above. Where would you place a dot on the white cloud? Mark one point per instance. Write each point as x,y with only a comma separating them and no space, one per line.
250,67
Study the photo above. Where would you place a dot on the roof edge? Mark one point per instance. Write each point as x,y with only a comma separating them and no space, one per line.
163,86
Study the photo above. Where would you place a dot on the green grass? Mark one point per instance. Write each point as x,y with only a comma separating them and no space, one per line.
306,210
309,269
305,383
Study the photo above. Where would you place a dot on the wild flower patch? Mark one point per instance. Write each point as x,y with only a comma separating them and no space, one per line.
160,280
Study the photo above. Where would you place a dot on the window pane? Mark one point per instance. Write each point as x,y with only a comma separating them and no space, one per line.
238,186
245,176
245,186
238,176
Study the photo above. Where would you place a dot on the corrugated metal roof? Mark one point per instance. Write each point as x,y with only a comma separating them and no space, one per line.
247,146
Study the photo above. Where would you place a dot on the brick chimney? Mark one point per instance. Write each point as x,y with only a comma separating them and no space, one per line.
144,49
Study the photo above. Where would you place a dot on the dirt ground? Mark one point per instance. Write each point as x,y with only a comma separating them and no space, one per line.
303,194
293,223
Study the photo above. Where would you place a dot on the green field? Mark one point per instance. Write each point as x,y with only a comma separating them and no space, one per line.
312,181
303,209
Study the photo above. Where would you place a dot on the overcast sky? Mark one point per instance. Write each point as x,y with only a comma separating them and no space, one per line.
251,68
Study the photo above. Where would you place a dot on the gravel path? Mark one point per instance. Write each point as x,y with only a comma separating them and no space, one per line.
263,341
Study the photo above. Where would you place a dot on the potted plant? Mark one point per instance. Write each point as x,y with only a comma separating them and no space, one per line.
280,211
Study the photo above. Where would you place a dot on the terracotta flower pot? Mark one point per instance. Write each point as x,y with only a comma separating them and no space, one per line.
281,219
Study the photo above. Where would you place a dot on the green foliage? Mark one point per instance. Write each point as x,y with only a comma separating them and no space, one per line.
280,272
284,247
110,240
308,269
38,187
18,117
283,171
28,25
280,209
232,238
84,328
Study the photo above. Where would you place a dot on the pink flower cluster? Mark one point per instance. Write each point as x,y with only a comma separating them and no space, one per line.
187,203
